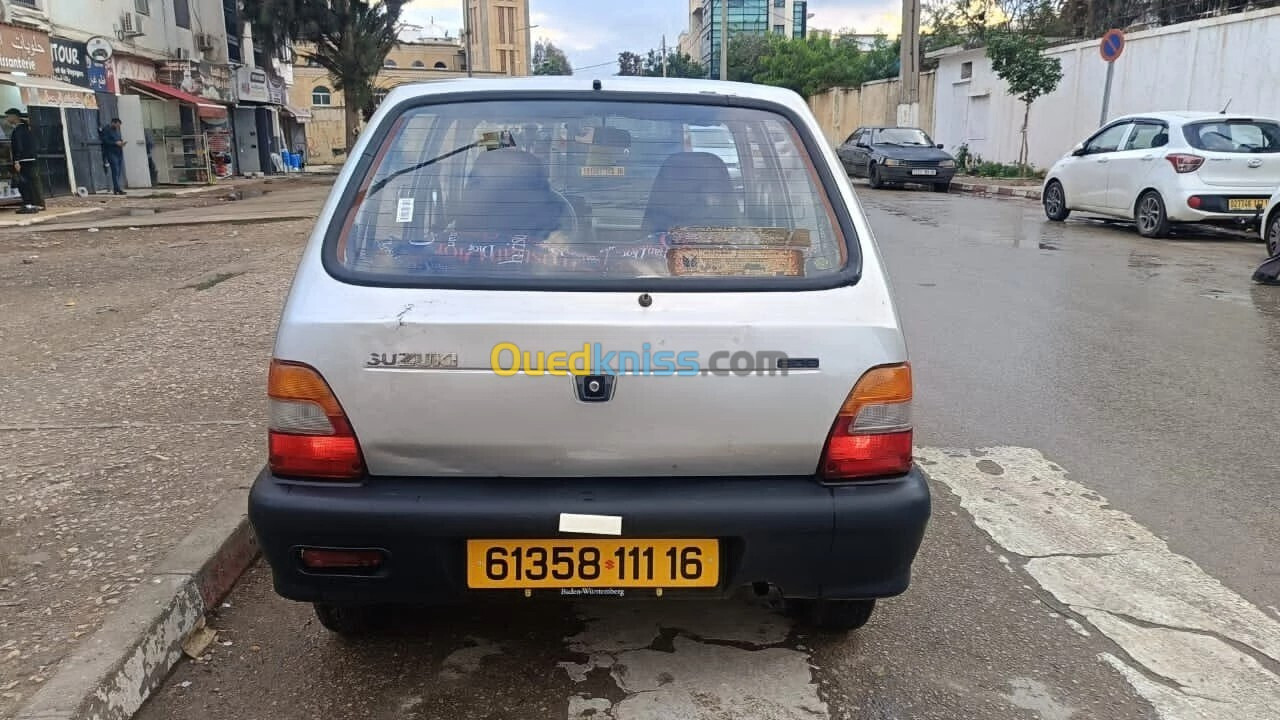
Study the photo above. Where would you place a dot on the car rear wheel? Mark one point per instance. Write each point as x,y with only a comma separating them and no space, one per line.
1055,202
345,620
1152,220
832,615
873,176
1273,235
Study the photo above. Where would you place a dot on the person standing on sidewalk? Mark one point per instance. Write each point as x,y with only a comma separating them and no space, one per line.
22,144
113,152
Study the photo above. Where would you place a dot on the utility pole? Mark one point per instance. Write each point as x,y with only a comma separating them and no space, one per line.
664,55
724,39
466,29
909,65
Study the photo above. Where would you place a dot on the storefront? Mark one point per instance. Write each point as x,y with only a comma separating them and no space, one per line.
256,121
180,127
62,116
294,121
73,65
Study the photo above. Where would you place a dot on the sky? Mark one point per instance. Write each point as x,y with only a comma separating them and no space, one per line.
593,32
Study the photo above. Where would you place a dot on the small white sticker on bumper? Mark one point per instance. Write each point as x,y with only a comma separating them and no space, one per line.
591,524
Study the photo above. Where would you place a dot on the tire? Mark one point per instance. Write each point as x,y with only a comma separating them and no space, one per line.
1273,235
873,177
345,620
942,187
834,616
1055,202
1150,215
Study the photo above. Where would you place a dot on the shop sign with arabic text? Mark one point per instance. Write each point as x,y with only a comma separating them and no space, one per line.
24,50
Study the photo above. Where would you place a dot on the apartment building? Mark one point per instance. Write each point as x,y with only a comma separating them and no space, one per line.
500,36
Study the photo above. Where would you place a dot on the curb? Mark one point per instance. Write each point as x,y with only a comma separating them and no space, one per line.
55,215
998,190
112,673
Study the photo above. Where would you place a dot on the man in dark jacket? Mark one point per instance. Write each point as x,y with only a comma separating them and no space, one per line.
113,152
22,144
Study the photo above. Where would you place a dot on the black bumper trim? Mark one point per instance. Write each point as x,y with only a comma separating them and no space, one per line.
809,540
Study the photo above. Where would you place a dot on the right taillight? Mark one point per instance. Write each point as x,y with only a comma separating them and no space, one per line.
1184,163
309,435
871,436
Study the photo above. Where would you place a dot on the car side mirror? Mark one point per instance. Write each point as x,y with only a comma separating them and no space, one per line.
939,146
1080,151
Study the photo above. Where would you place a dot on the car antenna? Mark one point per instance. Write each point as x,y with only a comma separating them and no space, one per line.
1224,107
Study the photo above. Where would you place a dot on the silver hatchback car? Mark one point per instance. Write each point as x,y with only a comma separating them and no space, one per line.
538,345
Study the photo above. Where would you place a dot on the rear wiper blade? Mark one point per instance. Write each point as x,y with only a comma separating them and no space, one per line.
376,187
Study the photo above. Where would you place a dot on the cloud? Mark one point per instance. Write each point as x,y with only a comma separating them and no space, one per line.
862,17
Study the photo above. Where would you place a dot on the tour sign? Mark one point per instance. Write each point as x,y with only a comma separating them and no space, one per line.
1112,45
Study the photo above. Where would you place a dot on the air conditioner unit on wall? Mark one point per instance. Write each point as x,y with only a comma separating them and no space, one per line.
182,53
205,41
131,24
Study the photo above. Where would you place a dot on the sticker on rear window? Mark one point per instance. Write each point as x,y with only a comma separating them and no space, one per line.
404,210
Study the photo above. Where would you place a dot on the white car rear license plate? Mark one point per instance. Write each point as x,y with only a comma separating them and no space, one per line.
924,171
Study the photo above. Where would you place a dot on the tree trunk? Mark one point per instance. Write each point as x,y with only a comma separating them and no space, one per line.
353,124
1022,155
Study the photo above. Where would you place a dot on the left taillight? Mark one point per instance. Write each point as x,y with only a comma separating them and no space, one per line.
872,433
309,435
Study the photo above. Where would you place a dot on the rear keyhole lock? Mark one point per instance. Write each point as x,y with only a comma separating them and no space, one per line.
646,300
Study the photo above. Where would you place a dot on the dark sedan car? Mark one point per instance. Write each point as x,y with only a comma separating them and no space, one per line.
886,155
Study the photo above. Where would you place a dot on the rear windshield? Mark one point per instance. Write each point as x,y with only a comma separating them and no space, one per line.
1234,136
603,189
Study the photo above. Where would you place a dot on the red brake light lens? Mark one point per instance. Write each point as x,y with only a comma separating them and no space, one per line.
1184,163
309,435
872,434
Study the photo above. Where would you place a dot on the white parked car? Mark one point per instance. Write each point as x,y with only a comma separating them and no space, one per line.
1165,168
1269,228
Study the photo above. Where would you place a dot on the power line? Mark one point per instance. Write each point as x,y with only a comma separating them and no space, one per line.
595,65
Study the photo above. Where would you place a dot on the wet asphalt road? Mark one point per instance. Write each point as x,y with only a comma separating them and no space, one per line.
1144,368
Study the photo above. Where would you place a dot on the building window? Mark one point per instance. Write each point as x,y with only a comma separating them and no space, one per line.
966,70
780,3
441,66
389,63
321,97
502,54
779,29
27,3
182,14
143,7
419,64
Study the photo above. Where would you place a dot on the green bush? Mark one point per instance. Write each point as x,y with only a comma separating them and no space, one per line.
981,168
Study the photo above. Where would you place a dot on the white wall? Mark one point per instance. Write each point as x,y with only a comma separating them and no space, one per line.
1192,66
161,36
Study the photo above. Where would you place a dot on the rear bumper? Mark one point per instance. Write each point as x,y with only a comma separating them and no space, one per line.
1214,206
807,539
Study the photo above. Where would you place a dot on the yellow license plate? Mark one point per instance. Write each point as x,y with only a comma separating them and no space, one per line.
520,564
1246,204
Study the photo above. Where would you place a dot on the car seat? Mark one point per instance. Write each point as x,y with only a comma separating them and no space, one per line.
508,192
692,189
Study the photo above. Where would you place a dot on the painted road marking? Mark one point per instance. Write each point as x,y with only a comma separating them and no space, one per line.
1192,647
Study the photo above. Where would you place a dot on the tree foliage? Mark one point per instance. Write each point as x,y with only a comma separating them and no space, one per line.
348,38
814,64
1019,60
550,60
630,63
746,57
679,65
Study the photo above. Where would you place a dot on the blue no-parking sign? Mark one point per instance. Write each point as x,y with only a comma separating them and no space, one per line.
1112,45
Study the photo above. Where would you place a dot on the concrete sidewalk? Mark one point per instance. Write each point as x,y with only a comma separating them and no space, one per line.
270,205
132,420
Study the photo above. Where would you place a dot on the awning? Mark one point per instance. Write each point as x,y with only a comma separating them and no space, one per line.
298,113
47,92
205,108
